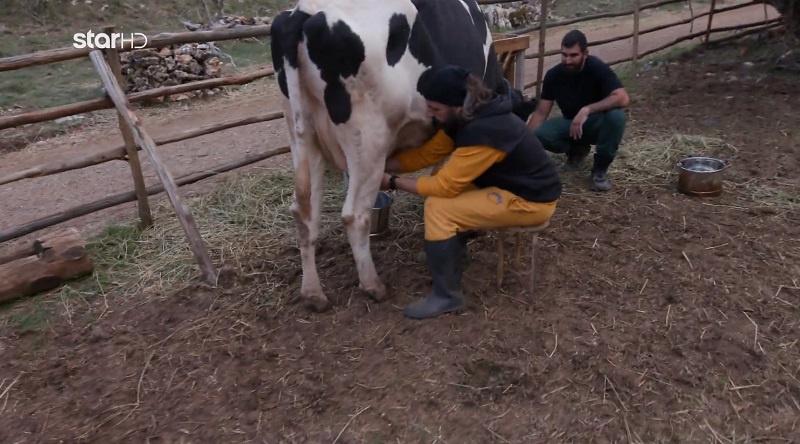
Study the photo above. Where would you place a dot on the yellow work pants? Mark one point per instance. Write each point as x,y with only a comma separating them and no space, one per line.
481,208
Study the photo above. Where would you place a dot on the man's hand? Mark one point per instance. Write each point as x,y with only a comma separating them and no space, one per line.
385,181
576,129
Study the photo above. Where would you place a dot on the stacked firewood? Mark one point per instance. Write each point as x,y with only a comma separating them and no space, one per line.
146,69
227,21
515,14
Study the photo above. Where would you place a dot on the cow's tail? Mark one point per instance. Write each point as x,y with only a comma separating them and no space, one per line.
521,105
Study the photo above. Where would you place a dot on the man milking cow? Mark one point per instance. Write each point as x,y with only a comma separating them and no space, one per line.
497,175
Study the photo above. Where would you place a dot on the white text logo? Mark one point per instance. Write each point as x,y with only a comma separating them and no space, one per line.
115,40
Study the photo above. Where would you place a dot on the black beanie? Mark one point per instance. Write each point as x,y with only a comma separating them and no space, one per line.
447,86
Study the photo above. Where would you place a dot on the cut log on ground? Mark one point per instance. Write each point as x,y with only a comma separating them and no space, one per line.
57,257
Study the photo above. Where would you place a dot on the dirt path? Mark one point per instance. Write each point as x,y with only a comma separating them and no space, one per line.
30,199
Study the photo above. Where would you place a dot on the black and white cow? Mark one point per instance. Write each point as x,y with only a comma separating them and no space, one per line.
351,71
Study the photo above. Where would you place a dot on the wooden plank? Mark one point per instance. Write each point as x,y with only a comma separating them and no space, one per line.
511,44
143,139
146,217
119,151
57,112
157,41
130,196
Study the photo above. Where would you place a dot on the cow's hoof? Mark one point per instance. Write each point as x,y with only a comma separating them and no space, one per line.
379,294
318,304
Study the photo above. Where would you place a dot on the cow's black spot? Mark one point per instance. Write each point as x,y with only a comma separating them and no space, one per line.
337,52
421,45
286,33
399,31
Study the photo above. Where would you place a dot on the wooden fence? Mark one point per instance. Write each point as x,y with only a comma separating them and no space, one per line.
511,50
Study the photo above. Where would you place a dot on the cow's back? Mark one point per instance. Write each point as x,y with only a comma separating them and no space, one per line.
454,32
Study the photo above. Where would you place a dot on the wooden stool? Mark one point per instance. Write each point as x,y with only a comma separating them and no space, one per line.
534,230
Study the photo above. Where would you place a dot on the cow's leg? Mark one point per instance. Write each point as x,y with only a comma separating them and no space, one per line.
365,171
306,208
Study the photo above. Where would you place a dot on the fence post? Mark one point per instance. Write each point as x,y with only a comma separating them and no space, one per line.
112,56
542,35
635,55
710,17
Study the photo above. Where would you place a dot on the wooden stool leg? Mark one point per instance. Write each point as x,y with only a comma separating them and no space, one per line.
534,245
499,258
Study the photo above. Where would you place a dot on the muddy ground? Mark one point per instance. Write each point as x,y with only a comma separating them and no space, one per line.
657,318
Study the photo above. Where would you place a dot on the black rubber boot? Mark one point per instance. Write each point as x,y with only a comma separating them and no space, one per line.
575,156
600,172
445,263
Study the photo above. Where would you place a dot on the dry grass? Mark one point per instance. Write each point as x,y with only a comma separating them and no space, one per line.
652,158
243,221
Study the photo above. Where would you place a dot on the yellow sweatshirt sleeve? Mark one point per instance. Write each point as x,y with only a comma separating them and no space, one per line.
466,164
430,153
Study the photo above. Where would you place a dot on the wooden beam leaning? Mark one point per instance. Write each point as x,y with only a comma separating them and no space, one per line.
182,211
145,216
104,103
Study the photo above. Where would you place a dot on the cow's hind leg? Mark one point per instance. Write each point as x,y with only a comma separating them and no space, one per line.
306,208
364,183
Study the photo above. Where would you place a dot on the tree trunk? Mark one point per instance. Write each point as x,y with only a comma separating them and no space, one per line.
54,258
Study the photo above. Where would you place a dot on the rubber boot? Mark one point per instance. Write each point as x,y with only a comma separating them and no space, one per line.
575,156
600,172
445,263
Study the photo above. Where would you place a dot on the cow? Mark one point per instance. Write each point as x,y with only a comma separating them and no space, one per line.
350,73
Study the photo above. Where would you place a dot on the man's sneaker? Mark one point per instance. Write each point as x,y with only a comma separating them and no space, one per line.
600,181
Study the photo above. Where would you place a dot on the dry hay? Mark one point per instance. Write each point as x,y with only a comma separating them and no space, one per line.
651,159
243,222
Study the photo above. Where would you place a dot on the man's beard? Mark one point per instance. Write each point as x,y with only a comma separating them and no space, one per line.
574,68
452,122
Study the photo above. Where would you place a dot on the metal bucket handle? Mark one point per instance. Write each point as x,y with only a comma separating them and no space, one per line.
725,163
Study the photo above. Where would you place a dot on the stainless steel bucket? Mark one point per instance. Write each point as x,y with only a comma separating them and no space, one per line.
379,217
701,176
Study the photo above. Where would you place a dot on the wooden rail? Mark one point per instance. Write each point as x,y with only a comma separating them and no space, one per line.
511,46
648,30
58,112
157,41
130,196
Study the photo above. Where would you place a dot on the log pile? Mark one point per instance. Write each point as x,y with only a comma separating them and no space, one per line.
227,21
145,69
515,15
